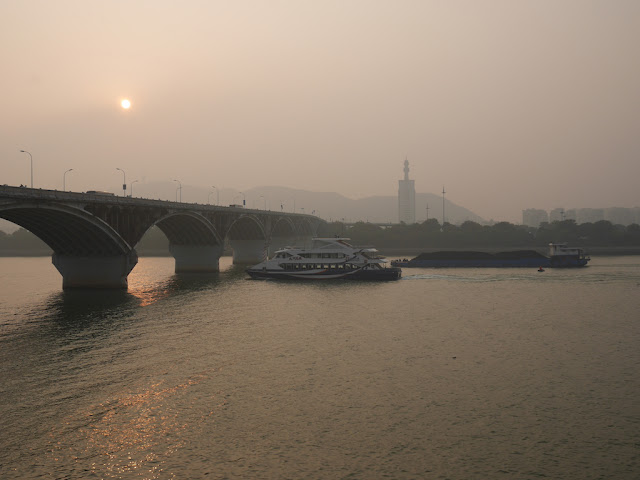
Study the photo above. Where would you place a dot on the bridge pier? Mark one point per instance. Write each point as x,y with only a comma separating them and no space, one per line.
95,272
196,258
248,252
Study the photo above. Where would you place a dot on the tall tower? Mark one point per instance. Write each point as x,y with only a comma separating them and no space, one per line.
406,198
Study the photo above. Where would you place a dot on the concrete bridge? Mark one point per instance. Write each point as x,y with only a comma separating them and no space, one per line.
93,235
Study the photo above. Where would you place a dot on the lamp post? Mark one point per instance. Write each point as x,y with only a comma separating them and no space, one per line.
217,194
64,180
265,201
178,189
443,192
124,182
31,158
131,188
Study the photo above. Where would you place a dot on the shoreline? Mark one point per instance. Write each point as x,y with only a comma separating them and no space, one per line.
594,251
389,252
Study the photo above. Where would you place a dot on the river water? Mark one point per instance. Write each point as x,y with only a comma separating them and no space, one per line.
445,374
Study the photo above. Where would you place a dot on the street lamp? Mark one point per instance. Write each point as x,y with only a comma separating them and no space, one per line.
244,200
131,188
64,180
264,200
217,194
124,182
179,188
31,157
443,192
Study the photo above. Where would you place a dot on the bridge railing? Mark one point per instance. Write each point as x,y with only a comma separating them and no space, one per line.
26,193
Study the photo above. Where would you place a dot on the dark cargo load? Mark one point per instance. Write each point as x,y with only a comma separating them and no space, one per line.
520,254
457,255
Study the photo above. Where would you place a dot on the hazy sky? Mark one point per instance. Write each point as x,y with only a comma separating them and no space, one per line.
509,104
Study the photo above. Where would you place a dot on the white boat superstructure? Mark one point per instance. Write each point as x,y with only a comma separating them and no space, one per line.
327,258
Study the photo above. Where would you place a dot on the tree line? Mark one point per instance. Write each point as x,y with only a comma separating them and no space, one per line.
431,234
426,235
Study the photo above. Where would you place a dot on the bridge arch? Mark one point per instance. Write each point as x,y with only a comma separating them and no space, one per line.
248,240
283,227
188,228
283,233
193,241
66,230
86,250
306,230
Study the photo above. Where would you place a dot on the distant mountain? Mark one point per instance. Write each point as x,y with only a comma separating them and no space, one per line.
327,205
333,206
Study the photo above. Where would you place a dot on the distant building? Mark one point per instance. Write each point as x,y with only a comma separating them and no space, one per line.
556,215
622,216
406,198
533,217
616,215
590,215
571,214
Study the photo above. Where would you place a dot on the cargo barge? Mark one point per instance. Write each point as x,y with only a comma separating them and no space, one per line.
560,256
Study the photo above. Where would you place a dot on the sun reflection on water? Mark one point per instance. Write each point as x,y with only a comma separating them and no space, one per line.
151,285
136,432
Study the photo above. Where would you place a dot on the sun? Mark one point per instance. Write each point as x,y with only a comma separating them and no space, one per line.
125,104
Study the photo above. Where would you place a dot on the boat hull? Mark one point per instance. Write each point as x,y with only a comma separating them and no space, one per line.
383,274
547,263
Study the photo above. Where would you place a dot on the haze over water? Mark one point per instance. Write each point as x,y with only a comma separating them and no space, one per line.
469,373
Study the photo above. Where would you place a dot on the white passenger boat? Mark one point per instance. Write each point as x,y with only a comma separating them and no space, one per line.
329,258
